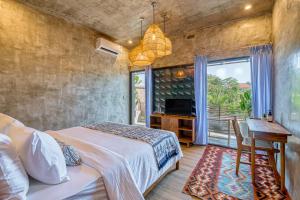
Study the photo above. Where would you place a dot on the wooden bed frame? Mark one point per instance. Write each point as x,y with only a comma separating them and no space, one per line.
171,169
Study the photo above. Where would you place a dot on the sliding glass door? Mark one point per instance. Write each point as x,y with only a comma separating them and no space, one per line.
138,98
229,94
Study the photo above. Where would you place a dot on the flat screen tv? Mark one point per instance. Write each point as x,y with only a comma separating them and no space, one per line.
179,106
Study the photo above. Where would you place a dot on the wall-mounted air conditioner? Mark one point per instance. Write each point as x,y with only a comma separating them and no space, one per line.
108,46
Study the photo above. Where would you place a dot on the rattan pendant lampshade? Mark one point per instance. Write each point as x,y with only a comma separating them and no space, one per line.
153,45
138,56
154,38
180,74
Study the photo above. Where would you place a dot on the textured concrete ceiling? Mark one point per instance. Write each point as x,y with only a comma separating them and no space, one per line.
119,19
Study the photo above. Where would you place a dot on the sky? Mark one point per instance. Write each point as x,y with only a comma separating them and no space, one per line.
240,71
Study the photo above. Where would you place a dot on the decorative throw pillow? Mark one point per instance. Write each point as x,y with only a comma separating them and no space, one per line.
71,155
14,182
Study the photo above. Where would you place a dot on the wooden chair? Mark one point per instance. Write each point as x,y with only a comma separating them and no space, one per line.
244,145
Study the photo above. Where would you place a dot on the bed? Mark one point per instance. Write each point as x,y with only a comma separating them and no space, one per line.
114,167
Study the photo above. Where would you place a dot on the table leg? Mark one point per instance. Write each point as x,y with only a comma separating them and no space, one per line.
282,166
253,159
177,165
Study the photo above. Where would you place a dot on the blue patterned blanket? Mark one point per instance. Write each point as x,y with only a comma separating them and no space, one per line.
162,142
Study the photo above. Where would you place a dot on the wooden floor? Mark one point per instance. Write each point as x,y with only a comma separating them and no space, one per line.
170,188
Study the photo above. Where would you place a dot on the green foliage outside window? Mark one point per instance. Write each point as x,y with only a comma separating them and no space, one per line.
227,95
137,81
245,103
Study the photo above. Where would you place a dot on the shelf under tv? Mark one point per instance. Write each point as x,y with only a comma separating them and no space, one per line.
182,126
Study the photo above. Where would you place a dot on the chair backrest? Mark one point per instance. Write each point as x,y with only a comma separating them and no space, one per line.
237,131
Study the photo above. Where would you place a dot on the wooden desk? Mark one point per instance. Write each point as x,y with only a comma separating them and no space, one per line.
263,130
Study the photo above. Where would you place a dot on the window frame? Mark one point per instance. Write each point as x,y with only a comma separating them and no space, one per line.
130,93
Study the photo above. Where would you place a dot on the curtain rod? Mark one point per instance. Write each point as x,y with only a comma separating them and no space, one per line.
237,48
253,45
213,61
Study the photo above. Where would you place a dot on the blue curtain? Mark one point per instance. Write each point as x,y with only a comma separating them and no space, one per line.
200,77
148,94
261,80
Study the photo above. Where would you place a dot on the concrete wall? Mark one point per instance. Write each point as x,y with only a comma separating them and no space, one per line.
227,40
286,36
50,75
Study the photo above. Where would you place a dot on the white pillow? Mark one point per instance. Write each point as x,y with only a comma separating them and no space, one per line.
41,155
7,122
19,136
14,182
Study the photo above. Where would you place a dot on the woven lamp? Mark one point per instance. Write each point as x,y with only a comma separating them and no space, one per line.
180,74
154,40
139,57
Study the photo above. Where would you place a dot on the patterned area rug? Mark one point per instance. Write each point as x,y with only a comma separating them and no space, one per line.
214,178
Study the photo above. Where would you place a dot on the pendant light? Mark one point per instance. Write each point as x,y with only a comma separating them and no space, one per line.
138,56
180,74
168,44
154,39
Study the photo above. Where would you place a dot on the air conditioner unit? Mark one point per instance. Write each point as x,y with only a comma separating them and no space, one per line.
107,46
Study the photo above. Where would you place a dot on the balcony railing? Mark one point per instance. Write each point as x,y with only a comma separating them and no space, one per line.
219,125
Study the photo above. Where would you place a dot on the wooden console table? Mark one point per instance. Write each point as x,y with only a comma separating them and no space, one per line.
182,126
263,130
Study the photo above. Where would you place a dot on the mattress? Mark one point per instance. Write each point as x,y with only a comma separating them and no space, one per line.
95,190
82,179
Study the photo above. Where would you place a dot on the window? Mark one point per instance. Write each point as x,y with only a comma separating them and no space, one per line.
138,98
229,90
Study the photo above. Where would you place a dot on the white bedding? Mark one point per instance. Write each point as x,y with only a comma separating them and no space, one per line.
95,190
80,178
137,156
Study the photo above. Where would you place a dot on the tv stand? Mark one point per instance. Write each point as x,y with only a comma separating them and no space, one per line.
182,126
